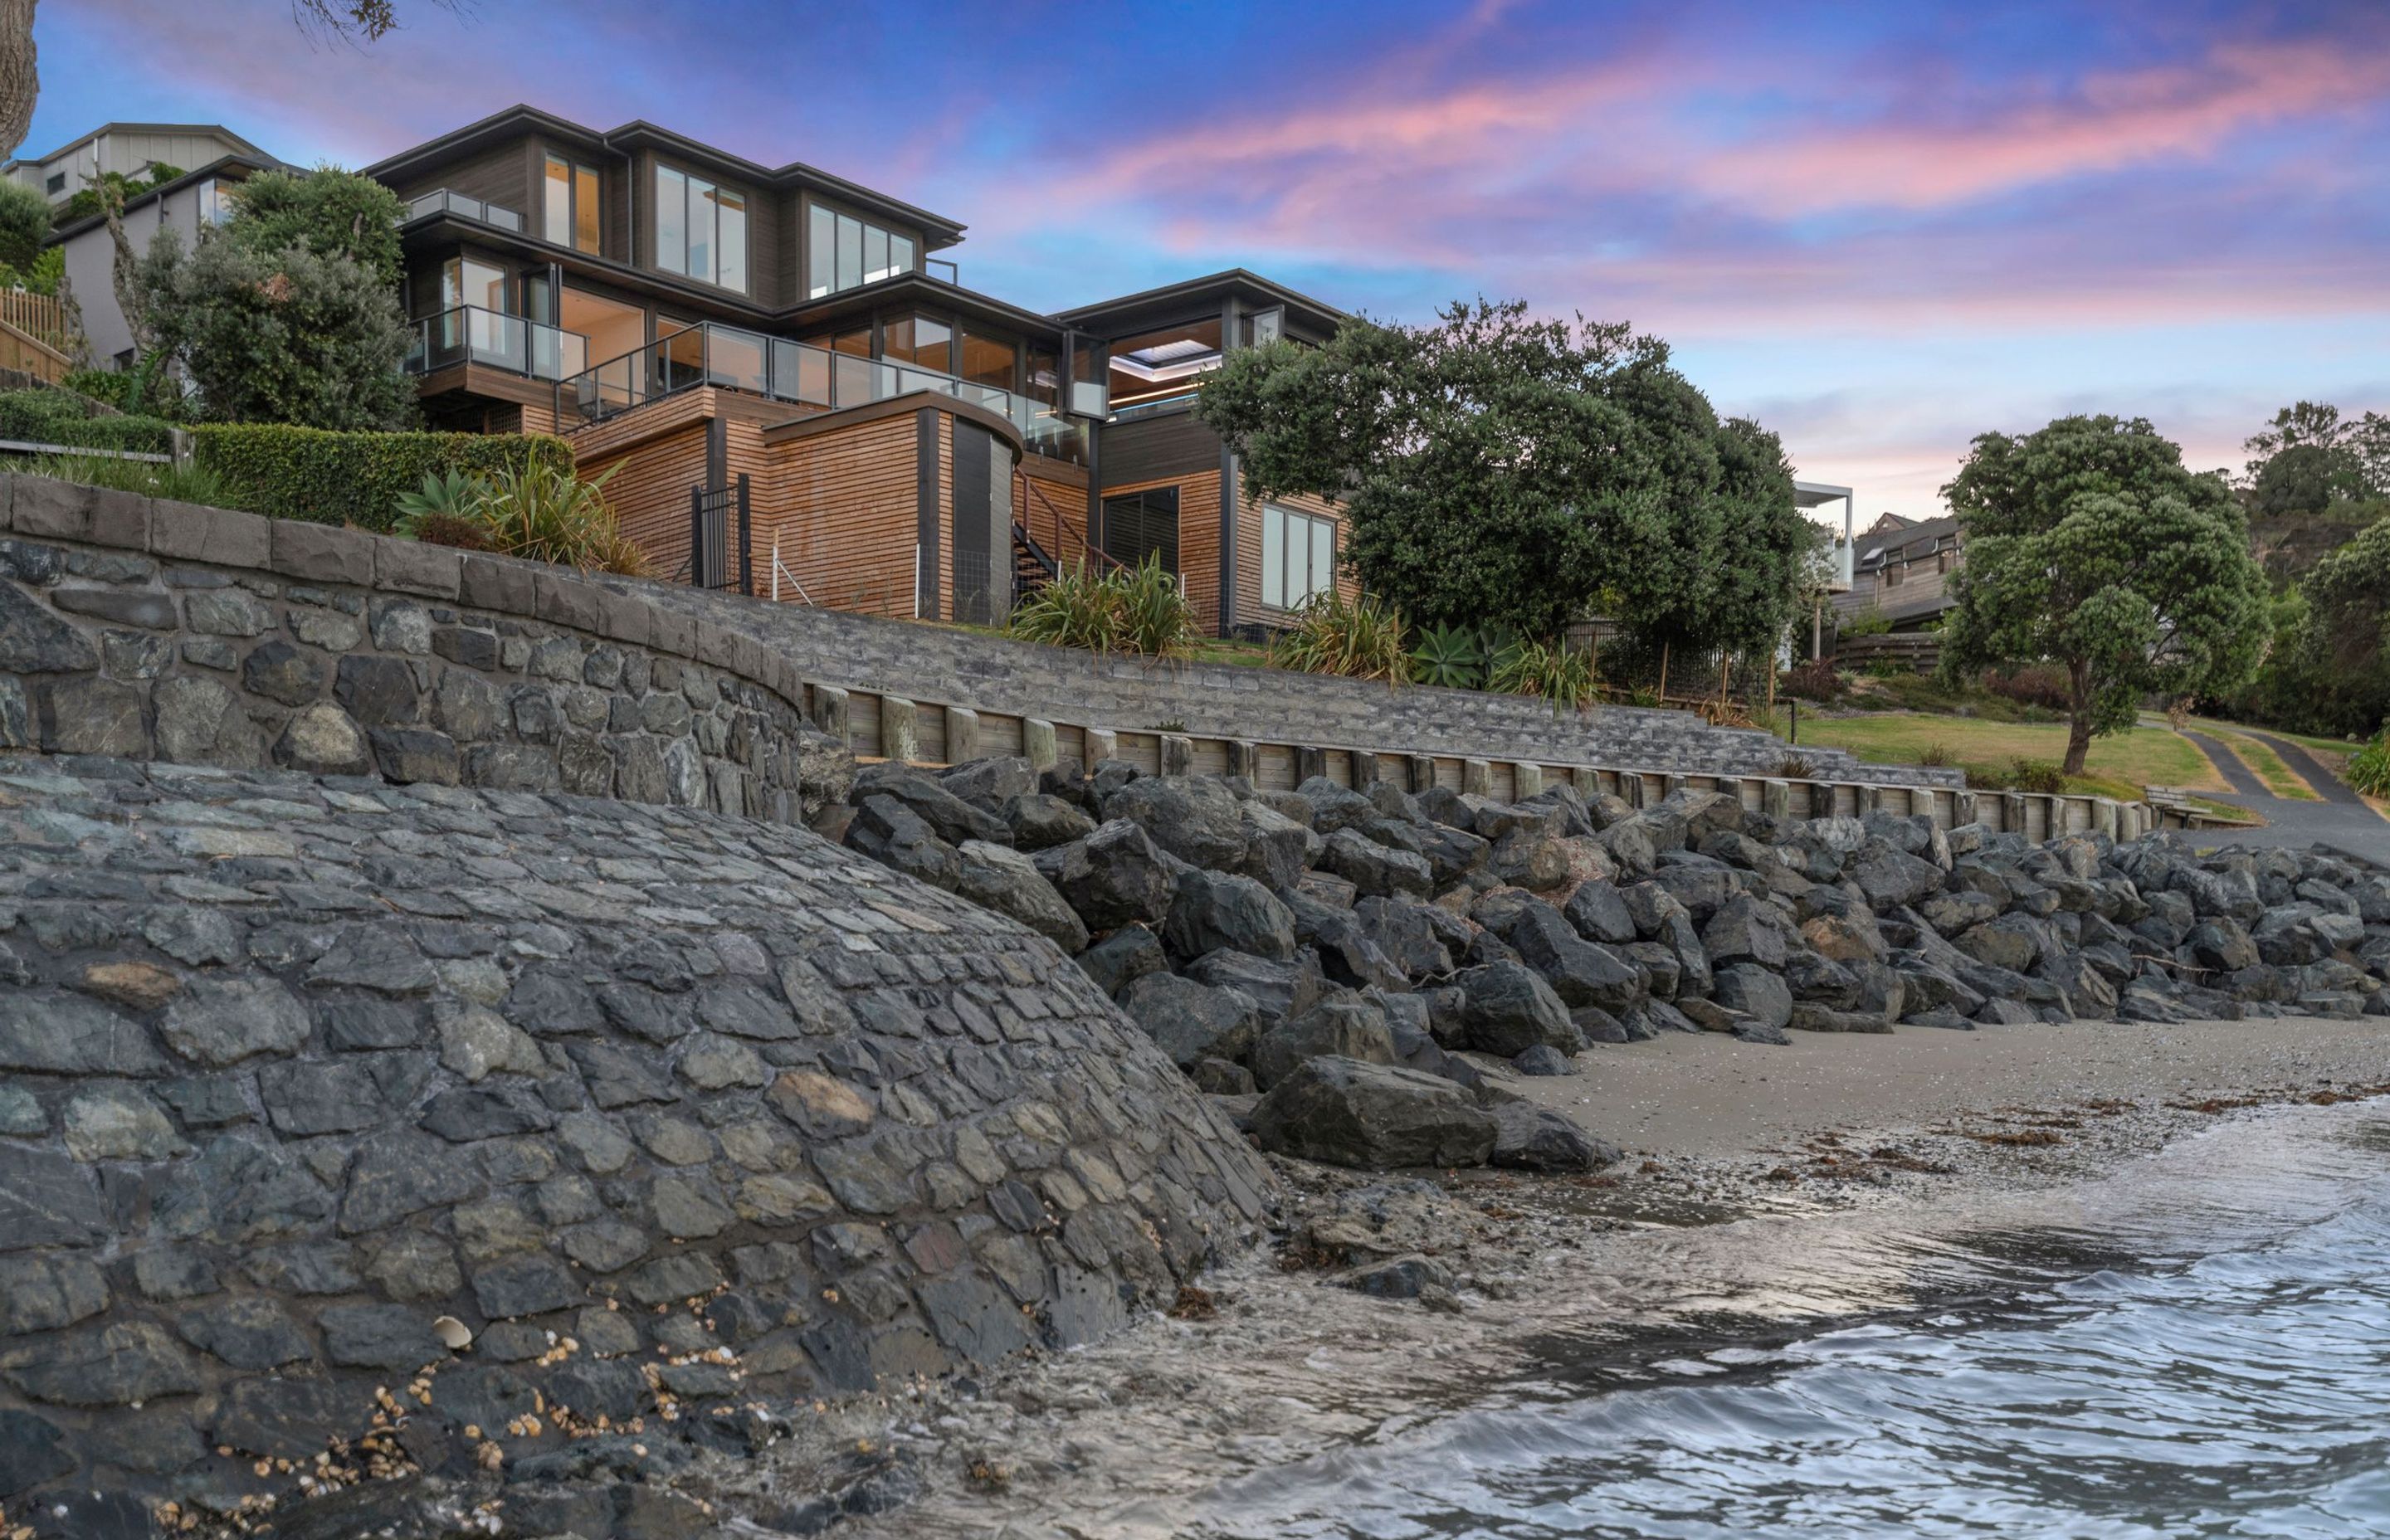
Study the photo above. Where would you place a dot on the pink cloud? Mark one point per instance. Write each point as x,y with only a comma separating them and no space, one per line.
2117,120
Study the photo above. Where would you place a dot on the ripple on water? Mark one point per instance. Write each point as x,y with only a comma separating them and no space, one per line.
2199,1347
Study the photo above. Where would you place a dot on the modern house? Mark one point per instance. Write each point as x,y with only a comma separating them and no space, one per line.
1901,570
717,335
188,204
130,150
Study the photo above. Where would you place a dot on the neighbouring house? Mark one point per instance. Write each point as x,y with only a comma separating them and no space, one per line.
129,151
188,204
1902,570
706,328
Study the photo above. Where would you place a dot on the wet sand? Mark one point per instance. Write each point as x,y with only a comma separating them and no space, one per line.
1716,1097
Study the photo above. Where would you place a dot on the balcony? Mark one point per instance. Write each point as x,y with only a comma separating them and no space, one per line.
444,201
470,334
731,359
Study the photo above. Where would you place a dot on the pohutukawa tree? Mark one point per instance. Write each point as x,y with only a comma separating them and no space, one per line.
1498,468
2090,545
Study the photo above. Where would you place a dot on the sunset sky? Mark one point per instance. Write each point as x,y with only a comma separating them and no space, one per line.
1878,229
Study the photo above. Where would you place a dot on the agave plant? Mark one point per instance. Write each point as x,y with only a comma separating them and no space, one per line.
1449,655
1499,646
444,494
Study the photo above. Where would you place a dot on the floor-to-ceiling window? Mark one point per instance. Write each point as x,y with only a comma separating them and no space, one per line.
700,229
843,252
569,208
1298,557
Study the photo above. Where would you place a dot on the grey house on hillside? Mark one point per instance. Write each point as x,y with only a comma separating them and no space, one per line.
1901,568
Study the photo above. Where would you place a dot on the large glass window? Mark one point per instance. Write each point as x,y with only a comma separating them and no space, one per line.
1142,524
918,339
988,360
569,213
467,281
843,252
700,229
1298,557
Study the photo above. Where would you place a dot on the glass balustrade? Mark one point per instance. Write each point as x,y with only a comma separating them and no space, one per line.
470,334
732,358
479,210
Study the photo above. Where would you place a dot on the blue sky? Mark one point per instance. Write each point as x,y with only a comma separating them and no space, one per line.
1880,229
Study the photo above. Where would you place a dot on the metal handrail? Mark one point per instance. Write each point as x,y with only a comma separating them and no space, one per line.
734,358
475,334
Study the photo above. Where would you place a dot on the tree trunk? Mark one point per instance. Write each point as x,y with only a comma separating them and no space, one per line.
2078,720
18,79
1664,674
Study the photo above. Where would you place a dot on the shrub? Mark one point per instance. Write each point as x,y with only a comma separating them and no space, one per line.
1449,655
2036,774
544,511
448,529
2369,768
1935,754
1360,638
1551,671
356,477
1077,607
2035,685
1815,680
1869,622
1155,618
62,417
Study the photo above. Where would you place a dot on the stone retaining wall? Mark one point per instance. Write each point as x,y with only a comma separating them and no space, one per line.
572,1130
152,629
1131,697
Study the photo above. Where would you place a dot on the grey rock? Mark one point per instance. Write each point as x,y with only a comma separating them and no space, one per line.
1002,879
1212,910
1373,1117
1114,877
1754,992
1510,1008
1192,1021
220,1022
1533,1138
1123,957
1342,1029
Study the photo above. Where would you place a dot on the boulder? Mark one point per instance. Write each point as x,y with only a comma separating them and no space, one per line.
951,818
1280,989
889,831
1373,1117
1507,1008
1113,877
1192,1021
1600,914
1745,929
1123,957
1000,878
1580,972
1404,933
1890,877
992,784
1040,822
1343,1029
1755,992
1375,869
1195,818
1214,910
1533,1138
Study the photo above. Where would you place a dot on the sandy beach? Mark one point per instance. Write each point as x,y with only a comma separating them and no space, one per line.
1716,1097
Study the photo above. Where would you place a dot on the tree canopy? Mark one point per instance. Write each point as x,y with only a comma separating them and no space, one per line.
2090,545
1498,467
288,313
2311,451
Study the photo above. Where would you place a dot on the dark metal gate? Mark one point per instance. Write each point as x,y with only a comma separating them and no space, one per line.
711,512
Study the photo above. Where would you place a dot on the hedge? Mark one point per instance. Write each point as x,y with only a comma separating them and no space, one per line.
59,416
349,477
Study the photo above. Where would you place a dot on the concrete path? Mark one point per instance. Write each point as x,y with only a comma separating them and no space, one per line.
2342,820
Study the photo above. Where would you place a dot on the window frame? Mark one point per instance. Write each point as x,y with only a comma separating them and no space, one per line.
585,203
1281,520
703,195
833,234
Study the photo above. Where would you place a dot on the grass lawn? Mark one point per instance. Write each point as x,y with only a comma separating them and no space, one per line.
2120,764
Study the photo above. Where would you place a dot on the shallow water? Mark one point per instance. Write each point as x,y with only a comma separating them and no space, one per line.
2198,1345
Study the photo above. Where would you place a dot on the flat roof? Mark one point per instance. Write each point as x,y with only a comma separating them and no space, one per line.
1811,495
1130,308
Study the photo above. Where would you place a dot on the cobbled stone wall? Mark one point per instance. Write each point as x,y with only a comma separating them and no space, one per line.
151,630
658,1115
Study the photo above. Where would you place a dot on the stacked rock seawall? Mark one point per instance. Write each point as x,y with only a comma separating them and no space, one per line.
528,1118
149,630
